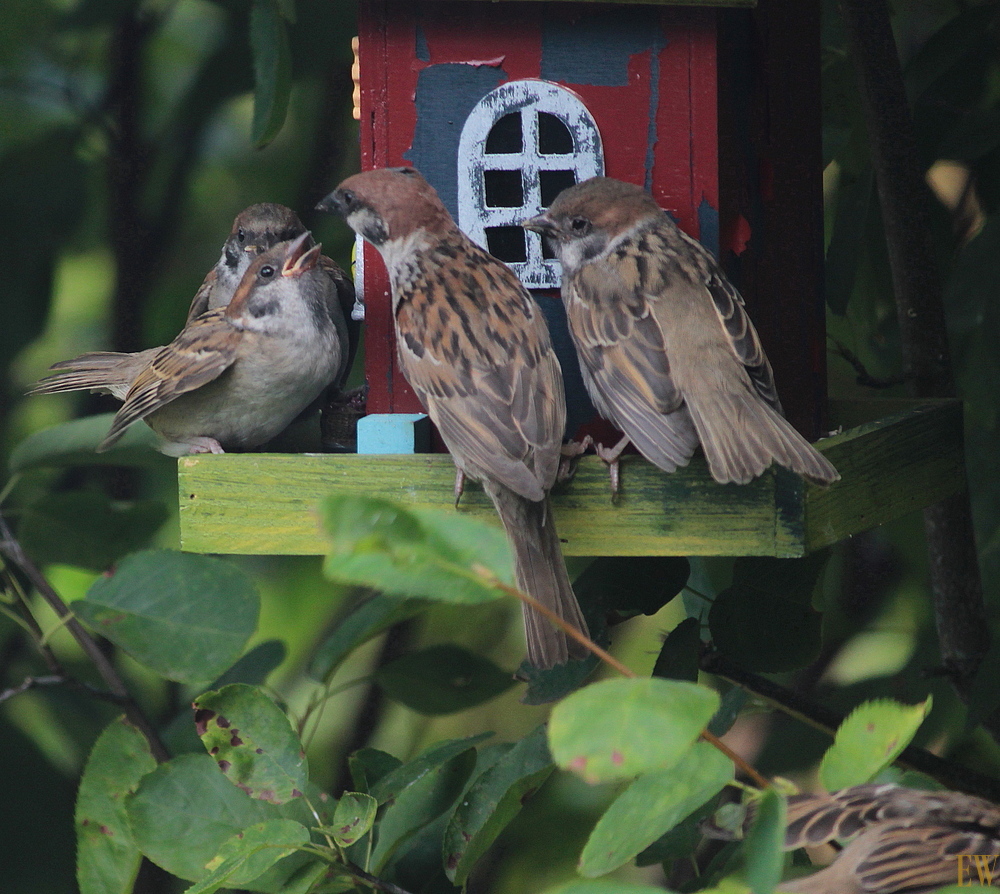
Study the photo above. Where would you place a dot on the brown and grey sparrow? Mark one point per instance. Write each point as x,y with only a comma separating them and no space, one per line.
901,839
475,348
667,351
237,375
255,230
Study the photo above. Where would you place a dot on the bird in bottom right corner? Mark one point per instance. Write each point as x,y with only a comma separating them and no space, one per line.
899,839
667,351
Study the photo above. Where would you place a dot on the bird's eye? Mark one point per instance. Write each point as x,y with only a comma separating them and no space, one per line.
241,236
348,198
266,272
580,226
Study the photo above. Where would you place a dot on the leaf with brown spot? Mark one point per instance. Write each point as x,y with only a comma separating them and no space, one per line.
252,742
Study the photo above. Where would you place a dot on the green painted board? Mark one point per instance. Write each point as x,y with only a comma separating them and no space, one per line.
906,459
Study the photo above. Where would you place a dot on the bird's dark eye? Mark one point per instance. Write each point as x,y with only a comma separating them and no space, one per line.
241,236
580,226
348,198
266,272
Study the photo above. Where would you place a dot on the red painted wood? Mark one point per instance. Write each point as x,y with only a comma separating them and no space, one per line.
747,148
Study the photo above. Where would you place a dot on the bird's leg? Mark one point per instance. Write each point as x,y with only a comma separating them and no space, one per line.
204,445
459,485
610,455
571,452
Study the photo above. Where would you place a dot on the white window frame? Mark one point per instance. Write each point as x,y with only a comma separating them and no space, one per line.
529,97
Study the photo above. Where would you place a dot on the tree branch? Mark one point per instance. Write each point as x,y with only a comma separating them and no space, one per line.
959,610
11,549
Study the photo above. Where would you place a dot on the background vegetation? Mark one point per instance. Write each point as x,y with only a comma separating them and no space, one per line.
127,145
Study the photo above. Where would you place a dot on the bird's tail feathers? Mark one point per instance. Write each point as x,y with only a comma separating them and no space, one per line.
106,371
540,572
742,436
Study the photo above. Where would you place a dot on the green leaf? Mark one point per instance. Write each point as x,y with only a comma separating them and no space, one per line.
405,775
256,666
632,585
729,710
369,765
185,810
442,679
870,738
253,742
87,529
652,805
249,853
413,553
554,683
681,841
420,803
107,856
363,622
765,621
492,801
600,886
616,729
74,443
188,617
354,816
272,68
678,658
764,844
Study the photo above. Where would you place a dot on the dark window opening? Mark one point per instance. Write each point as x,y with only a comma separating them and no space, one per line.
547,253
507,244
505,135
554,182
554,137
503,189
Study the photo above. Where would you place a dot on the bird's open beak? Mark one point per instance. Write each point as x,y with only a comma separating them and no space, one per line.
299,257
540,223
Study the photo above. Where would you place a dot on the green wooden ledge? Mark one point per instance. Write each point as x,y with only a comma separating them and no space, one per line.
909,457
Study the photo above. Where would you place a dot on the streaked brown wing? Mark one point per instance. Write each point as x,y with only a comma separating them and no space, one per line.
908,857
476,349
621,347
201,353
735,321
199,304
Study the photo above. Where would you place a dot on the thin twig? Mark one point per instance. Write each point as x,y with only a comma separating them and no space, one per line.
11,548
863,377
626,671
827,721
374,881
30,683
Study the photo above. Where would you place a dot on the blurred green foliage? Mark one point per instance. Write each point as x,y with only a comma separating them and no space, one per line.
127,144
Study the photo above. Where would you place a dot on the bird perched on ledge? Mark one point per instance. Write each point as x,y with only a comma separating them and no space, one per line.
255,229
667,351
901,839
237,375
475,348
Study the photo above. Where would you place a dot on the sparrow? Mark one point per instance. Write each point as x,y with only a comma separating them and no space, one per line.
903,839
255,230
237,375
668,353
475,348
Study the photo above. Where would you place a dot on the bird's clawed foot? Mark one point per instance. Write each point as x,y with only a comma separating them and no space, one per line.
571,452
610,456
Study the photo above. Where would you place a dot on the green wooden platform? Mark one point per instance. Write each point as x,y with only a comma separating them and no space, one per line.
909,457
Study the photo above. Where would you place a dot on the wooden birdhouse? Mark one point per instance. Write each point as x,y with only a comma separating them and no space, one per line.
717,113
